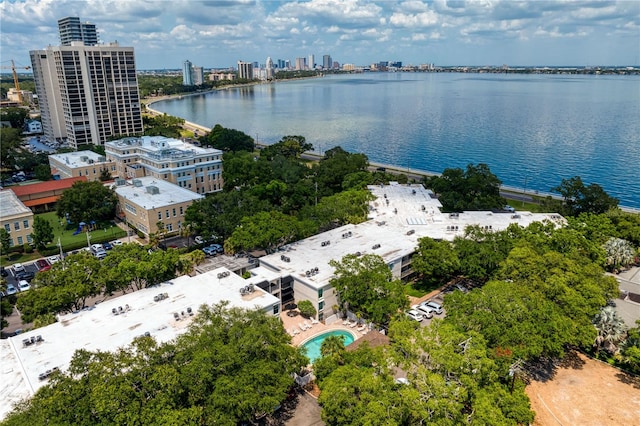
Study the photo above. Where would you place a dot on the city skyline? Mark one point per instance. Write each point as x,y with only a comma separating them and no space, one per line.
218,34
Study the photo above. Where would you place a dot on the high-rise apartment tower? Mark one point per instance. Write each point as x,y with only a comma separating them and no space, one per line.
71,29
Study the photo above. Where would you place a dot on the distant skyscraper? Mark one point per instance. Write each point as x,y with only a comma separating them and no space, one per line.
326,62
197,75
87,94
281,64
300,64
269,67
71,29
245,70
187,79
311,63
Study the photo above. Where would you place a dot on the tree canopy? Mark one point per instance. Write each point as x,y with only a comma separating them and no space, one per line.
228,139
231,365
42,232
580,198
86,202
475,188
365,284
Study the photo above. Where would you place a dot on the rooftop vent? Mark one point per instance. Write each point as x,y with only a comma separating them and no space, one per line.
411,232
153,190
84,158
121,182
137,183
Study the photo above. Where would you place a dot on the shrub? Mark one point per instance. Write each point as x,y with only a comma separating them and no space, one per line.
306,309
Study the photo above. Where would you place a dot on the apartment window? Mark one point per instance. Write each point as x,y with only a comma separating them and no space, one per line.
174,212
159,215
20,242
25,224
169,227
7,227
320,306
276,309
167,213
16,226
181,210
29,239
320,293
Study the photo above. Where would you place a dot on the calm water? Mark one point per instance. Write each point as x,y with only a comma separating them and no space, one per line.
532,131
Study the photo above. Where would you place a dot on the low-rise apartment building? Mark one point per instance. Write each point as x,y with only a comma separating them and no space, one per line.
15,218
398,217
146,202
188,166
80,163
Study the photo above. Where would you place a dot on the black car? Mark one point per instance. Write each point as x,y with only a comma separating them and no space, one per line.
3,271
107,246
25,275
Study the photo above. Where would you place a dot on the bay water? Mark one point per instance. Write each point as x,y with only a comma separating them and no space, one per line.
532,130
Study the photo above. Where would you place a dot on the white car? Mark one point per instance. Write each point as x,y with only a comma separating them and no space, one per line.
24,285
18,267
116,243
414,315
199,240
53,259
426,311
11,289
437,308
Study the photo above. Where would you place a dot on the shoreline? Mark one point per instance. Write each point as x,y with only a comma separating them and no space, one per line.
517,194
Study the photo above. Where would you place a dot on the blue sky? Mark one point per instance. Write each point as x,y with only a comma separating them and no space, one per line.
219,33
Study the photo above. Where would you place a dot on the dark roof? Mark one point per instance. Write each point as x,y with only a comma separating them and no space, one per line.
373,338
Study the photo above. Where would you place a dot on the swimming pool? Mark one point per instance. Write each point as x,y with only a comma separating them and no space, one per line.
313,345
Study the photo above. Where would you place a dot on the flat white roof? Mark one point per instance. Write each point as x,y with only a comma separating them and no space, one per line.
80,158
158,144
168,193
10,205
97,328
392,231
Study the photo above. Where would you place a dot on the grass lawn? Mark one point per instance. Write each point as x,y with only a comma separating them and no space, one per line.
103,232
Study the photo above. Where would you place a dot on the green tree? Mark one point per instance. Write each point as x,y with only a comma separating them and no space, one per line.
43,172
228,139
105,175
475,188
365,284
435,261
611,330
580,198
15,115
5,241
306,309
619,252
336,165
86,202
42,232
288,146
10,148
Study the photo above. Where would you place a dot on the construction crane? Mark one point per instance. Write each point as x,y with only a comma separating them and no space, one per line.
15,78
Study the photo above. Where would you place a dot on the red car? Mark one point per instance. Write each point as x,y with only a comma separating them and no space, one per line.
43,265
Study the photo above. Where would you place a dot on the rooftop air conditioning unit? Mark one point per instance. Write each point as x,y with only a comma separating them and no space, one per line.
84,158
153,190
121,182
137,183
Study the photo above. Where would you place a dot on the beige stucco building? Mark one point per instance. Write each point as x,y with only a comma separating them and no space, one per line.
146,201
188,166
15,218
80,163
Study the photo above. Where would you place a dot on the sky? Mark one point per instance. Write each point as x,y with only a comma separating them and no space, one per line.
217,34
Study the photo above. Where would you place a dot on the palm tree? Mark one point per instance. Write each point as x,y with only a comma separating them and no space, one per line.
332,345
619,252
611,330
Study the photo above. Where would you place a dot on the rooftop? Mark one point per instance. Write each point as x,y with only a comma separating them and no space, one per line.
141,192
50,185
398,217
10,205
79,158
98,328
160,147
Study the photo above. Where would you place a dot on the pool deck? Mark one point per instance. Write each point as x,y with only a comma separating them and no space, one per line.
294,323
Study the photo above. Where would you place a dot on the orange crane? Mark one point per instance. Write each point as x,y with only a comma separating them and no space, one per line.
15,78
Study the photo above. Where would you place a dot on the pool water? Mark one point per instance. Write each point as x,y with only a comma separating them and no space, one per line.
313,345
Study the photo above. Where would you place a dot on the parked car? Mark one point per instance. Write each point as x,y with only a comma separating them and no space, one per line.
509,209
25,275
53,259
414,315
426,311
11,289
107,246
116,243
24,285
213,249
18,267
437,308
43,265
3,271
199,240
